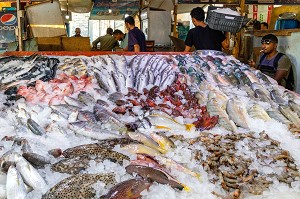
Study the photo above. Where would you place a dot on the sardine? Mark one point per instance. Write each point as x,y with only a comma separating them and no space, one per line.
237,113
15,187
35,127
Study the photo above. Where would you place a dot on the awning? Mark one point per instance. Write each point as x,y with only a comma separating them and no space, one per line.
101,9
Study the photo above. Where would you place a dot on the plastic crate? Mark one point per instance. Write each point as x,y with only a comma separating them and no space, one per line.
225,22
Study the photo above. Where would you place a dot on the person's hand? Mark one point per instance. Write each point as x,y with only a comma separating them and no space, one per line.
252,63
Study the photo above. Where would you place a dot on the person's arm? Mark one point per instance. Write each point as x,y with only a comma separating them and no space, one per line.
226,41
187,48
136,48
94,43
279,75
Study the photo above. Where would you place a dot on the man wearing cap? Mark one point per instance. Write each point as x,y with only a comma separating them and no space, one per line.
273,63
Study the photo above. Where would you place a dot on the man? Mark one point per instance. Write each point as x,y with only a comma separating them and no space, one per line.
120,36
136,38
264,26
274,64
202,37
256,25
107,42
77,32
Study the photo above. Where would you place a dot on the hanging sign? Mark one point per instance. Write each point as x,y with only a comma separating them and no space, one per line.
235,2
8,24
274,2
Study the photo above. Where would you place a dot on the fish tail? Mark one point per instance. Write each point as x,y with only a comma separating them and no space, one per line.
162,150
189,127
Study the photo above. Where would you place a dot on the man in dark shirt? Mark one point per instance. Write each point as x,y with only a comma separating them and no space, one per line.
202,37
136,38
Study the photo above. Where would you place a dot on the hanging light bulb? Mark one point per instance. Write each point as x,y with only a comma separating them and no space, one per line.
109,9
67,16
126,15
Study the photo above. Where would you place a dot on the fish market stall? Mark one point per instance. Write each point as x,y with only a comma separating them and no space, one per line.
146,125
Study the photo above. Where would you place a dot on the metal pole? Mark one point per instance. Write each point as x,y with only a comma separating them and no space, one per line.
175,33
19,15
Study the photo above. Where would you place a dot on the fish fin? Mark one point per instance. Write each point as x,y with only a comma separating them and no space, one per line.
162,127
189,127
186,188
162,150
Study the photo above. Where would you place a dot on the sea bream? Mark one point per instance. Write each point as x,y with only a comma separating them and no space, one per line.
237,113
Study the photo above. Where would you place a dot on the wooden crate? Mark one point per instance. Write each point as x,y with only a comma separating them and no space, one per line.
76,43
49,43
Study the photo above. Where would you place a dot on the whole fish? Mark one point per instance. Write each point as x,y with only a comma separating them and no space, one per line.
74,102
276,115
263,77
92,130
140,148
295,107
168,123
129,189
153,174
101,82
214,109
237,113
138,136
15,187
64,109
163,141
234,81
258,112
30,175
86,116
261,95
36,160
129,79
35,127
168,81
251,76
290,115
78,186
72,165
86,98
277,97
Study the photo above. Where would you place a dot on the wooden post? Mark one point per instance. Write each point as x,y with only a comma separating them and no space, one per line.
20,40
175,33
239,36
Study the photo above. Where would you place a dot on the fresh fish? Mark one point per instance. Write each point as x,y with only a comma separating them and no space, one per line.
251,76
219,96
168,81
135,135
258,112
102,82
86,116
163,141
121,64
214,109
86,98
78,186
36,160
142,83
295,107
290,115
129,79
223,79
276,115
242,77
91,130
117,81
140,148
35,127
65,109
74,102
153,174
168,123
261,95
234,81
73,165
151,77
30,175
134,64
157,80
277,98
128,189
15,187
263,77
116,96
237,113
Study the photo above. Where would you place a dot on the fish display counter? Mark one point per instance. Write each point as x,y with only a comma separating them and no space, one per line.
147,125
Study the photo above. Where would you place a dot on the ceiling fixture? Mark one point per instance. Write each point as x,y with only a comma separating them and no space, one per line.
67,15
109,9
126,14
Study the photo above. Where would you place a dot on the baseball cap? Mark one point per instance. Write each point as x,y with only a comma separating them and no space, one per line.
269,38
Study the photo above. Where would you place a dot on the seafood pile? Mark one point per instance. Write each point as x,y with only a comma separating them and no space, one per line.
148,126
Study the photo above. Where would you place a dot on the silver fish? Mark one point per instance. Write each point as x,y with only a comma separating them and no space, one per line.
295,107
143,82
237,113
168,81
276,115
261,95
289,114
277,98
15,187
101,82
258,112
86,98
74,102
35,127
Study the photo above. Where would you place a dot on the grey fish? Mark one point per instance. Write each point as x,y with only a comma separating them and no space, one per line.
234,81
116,96
15,186
142,83
134,64
129,79
86,98
263,77
276,115
168,81
64,109
78,186
117,81
86,116
290,115
128,189
277,98
35,127
295,107
38,161
101,82
74,102
261,95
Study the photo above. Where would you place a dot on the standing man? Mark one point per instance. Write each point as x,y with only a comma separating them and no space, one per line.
136,38
107,42
77,32
273,63
120,36
202,37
